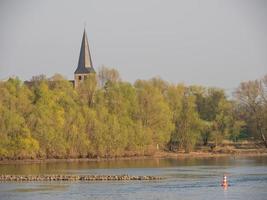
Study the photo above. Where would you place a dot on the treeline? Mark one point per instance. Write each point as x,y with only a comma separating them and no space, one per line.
106,117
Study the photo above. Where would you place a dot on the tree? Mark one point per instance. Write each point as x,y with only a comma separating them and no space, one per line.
48,118
154,112
221,122
108,75
251,97
87,89
208,102
47,122
15,106
187,123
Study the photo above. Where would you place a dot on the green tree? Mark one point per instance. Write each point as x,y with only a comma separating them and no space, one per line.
210,104
15,106
47,122
87,89
154,112
187,123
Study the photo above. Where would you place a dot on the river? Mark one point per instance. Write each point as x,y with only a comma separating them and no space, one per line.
190,178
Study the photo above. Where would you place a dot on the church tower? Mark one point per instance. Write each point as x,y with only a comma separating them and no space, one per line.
85,65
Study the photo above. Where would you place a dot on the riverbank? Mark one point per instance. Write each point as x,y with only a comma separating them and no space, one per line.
156,155
226,149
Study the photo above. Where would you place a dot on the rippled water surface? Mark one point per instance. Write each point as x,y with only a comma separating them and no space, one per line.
191,178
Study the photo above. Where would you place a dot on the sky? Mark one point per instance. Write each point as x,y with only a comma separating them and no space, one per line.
215,43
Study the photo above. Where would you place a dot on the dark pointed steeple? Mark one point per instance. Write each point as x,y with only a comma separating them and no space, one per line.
85,65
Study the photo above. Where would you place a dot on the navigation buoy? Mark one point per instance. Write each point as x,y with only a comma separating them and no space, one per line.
224,182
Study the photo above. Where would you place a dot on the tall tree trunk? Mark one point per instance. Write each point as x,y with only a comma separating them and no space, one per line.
263,138
259,126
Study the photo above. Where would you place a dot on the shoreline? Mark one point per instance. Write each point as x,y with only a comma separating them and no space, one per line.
157,155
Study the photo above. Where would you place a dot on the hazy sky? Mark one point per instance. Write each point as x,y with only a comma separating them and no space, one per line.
209,42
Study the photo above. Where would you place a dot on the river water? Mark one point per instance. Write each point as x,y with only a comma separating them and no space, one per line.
191,178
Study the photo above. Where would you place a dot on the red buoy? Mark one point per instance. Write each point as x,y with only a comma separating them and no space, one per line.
224,182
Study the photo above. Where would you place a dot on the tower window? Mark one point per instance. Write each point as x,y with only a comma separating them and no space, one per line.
80,77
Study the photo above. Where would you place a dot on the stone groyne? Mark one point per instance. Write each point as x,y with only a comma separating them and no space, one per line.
75,178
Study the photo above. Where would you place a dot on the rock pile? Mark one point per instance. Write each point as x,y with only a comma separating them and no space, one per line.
75,178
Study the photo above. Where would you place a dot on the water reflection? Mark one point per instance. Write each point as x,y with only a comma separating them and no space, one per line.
72,167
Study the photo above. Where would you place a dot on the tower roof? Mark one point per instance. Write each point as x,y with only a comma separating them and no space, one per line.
85,64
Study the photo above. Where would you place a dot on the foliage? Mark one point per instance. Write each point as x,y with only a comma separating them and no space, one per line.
187,123
252,100
48,118
154,112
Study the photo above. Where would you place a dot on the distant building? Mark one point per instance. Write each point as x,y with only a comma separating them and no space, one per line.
84,68
85,65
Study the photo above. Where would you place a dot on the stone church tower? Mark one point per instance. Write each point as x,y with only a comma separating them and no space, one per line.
85,65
